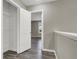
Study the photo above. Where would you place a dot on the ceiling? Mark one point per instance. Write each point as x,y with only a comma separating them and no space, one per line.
35,2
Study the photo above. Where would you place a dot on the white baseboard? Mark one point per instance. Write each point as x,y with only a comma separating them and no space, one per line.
5,50
48,50
36,36
13,50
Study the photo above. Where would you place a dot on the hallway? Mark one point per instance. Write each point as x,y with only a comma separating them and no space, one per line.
33,53
52,20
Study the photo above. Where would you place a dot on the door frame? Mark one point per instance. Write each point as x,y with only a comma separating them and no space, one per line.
42,21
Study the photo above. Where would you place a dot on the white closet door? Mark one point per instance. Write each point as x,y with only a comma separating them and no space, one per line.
25,30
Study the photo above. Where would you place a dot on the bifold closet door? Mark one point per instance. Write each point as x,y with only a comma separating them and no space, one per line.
25,30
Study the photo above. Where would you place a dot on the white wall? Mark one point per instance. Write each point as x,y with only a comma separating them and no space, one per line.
9,27
36,16
13,28
20,3
6,16
65,46
58,15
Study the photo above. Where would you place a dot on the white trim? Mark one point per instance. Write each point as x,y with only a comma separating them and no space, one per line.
18,29
1,29
36,20
48,50
41,21
67,34
35,36
56,55
36,11
5,51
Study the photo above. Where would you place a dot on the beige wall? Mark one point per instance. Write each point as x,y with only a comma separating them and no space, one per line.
35,29
59,15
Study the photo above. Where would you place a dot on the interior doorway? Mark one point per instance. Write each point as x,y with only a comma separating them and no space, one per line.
37,29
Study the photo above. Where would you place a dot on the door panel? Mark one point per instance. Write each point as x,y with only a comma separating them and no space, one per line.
25,30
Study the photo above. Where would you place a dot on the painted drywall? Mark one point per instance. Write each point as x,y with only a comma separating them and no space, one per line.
65,47
6,16
9,27
35,28
13,28
36,16
20,3
58,15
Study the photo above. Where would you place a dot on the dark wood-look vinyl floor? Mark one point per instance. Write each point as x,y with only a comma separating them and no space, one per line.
34,53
